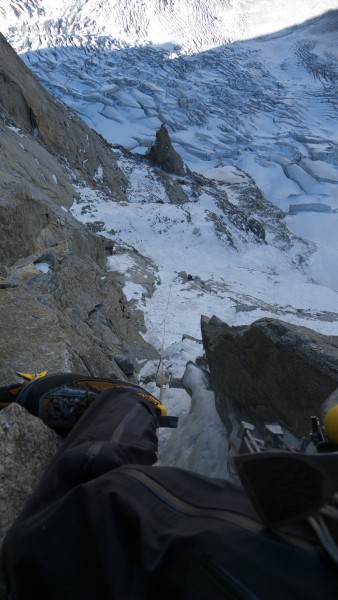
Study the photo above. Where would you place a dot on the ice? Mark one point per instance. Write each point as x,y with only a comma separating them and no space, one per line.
43,267
200,442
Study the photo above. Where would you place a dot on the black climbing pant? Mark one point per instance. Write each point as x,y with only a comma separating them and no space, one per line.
106,523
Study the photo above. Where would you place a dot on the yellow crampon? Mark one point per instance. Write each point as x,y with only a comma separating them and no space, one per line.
159,407
164,420
31,376
27,377
8,394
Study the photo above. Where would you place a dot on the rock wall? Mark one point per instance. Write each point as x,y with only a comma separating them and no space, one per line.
60,308
27,447
58,129
73,315
270,371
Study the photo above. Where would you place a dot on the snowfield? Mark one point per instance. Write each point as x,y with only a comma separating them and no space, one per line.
249,94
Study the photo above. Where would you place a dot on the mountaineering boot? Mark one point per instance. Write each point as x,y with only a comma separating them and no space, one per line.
59,400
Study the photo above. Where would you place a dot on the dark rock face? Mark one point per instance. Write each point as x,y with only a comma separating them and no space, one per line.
163,154
73,316
27,447
60,308
270,371
59,130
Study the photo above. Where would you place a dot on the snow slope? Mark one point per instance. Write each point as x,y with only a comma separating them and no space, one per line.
243,110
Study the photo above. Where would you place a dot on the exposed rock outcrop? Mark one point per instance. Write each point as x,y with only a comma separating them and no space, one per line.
270,371
60,308
71,317
163,154
60,131
27,446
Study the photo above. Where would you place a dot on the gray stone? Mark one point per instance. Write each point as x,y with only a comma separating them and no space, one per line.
26,447
174,190
270,371
257,228
125,363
